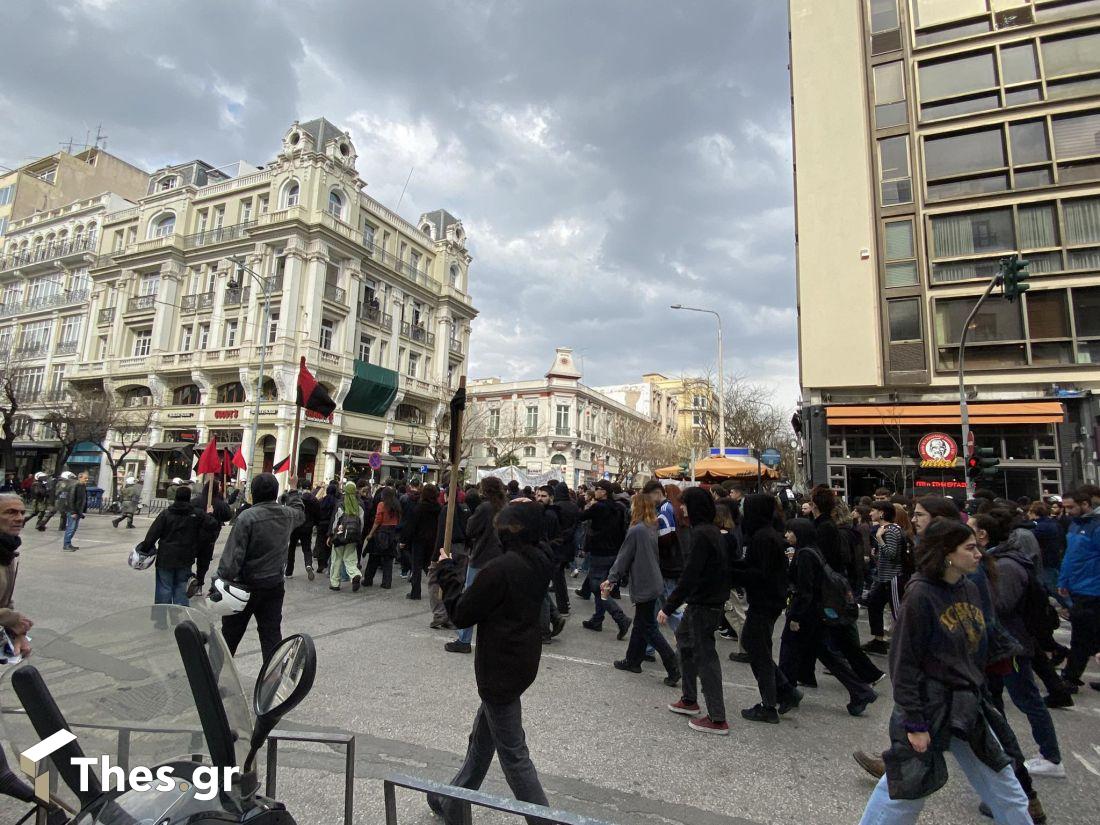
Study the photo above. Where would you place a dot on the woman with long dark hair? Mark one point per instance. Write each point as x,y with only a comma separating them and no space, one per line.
483,542
419,536
381,541
937,665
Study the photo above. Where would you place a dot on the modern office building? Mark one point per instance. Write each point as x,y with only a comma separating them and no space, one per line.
214,270
548,423
932,138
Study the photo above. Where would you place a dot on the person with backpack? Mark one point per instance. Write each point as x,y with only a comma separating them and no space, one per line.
889,540
173,537
304,535
821,600
40,494
60,494
605,536
347,527
1023,609
220,514
381,541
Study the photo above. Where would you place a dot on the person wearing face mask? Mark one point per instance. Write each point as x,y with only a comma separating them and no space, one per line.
937,666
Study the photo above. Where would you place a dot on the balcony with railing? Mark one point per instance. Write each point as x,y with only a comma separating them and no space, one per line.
33,350
48,252
106,316
417,333
375,315
57,299
142,303
222,234
454,346
203,302
336,294
66,348
236,297
403,268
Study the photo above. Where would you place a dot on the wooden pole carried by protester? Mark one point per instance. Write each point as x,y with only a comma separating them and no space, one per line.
458,410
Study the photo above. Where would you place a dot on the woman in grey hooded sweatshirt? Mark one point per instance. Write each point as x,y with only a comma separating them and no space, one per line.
637,561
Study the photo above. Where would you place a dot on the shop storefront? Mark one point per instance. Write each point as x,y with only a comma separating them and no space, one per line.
85,458
35,456
174,458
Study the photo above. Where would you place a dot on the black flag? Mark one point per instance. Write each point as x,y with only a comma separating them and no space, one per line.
458,404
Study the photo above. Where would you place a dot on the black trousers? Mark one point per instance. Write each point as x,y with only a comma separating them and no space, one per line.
845,639
756,638
561,590
321,551
646,631
203,554
816,641
376,561
266,604
1085,641
877,599
301,537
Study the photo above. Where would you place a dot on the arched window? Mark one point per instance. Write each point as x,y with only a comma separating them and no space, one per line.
170,182
186,396
162,226
231,393
336,204
454,276
558,459
136,397
268,391
290,194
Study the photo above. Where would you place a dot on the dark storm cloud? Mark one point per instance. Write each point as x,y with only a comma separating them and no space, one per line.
608,158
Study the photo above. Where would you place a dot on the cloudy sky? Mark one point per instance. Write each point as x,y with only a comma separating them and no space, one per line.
608,157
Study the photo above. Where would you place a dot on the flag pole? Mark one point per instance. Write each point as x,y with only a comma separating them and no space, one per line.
297,424
457,411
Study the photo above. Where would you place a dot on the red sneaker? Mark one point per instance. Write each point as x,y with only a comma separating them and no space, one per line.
708,725
686,708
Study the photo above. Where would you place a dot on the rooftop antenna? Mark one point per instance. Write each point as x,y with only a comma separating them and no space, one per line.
100,137
403,188
67,146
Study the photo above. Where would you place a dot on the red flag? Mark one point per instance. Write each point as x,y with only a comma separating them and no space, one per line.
227,463
282,466
238,460
209,461
312,395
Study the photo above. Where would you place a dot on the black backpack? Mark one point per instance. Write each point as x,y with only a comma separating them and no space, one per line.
838,603
347,530
1039,615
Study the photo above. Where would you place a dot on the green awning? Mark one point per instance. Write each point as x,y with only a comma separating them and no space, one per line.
372,389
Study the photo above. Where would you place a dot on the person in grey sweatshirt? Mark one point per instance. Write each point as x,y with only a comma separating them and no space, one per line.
637,561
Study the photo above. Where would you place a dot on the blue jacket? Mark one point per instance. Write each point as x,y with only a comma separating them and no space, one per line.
1081,564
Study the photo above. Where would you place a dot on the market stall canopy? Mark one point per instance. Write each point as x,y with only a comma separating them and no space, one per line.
373,389
717,468
935,415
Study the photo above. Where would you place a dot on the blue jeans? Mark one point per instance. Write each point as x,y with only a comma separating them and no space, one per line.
998,789
1025,695
1050,581
72,521
598,569
171,587
466,634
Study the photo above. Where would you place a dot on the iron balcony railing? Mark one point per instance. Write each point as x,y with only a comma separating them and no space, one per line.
141,302
455,346
197,303
396,264
335,294
375,316
58,299
106,316
67,348
31,350
47,252
221,234
236,297
417,333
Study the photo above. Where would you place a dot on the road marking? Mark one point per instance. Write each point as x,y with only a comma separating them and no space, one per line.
54,742
1088,765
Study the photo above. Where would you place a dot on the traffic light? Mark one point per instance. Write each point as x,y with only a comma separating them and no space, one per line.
1014,274
982,463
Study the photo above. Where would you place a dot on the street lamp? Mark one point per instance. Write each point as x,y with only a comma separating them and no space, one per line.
721,379
266,284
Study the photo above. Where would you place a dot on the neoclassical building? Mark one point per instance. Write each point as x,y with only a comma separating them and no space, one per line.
216,269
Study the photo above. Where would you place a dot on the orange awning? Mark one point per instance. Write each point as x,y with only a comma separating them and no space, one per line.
718,468
936,415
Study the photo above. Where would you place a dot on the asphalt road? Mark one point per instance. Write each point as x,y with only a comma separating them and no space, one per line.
603,741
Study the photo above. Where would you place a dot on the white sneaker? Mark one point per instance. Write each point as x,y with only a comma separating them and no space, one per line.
1040,766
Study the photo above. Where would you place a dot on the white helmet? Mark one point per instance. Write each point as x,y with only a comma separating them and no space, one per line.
177,481
139,560
226,598
67,474
40,475
129,479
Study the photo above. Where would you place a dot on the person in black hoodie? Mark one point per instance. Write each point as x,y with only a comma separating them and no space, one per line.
326,507
504,602
419,536
220,514
173,537
763,575
303,535
605,536
705,586
567,512
937,666
458,553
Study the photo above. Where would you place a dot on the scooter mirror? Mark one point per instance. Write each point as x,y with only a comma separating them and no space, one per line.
286,677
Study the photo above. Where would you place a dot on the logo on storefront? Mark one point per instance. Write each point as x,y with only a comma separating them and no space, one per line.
227,413
938,450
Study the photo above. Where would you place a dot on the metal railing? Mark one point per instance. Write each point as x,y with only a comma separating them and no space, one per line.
31,350
47,252
67,348
58,299
141,302
468,799
236,297
375,316
397,265
197,303
335,294
221,234
417,333
455,346
106,315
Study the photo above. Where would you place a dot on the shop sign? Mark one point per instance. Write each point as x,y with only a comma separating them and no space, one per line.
938,450
561,445
946,484
182,435
269,412
396,449
181,415
227,414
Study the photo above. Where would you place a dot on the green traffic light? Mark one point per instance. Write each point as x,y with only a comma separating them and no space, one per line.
1014,274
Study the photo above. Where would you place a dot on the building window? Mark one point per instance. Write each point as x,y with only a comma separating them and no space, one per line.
7,194
57,378
368,235
365,345
528,452
185,339
454,276
885,23
36,336
896,184
143,342
290,195
904,318
890,109
532,420
272,327
3,226
170,182
492,428
967,163
231,393
78,280
414,365
561,420
148,284
967,233
996,337
204,336
246,210
162,226
1075,138
336,205
70,329
230,336
100,347
900,253
327,331
186,396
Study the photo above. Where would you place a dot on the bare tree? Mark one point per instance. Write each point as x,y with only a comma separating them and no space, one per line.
639,447
504,436
114,428
13,397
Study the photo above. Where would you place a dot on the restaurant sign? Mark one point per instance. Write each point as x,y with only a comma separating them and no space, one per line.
938,450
